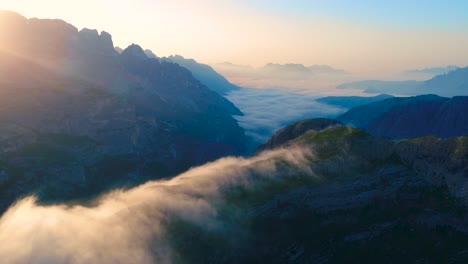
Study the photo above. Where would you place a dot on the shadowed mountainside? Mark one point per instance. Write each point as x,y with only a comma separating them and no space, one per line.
77,117
411,117
292,131
204,73
452,83
336,195
352,101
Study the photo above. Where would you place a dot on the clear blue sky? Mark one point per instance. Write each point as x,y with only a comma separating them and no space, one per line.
448,14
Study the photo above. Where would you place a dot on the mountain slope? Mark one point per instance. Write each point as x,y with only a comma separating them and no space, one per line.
352,101
452,83
77,117
292,131
205,74
336,195
412,117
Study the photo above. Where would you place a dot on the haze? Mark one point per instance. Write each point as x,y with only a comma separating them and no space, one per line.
369,38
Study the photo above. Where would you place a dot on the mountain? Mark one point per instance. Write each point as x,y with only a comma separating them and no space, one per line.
411,117
432,71
371,198
375,86
150,54
118,49
336,195
289,75
292,131
352,101
452,83
294,68
77,117
204,73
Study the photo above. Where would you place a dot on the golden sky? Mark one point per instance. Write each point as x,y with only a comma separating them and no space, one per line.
258,31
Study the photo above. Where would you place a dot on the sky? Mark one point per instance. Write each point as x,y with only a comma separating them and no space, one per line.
361,36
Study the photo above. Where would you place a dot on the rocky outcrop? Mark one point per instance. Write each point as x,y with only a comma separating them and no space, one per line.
295,130
77,117
361,198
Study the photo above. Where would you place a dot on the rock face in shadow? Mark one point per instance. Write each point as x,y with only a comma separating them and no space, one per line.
368,198
352,101
204,73
411,117
77,117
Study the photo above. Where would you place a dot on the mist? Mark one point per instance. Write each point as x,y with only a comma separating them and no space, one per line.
315,78
267,110
129,226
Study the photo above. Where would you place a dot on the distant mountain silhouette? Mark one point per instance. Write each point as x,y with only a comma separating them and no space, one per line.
433,71
352,101
450,84
292,68
150,54
411,117
376,86
204,73
78,117
118,49
289,75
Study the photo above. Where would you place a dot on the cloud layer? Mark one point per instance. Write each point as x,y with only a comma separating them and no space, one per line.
267,110
129,226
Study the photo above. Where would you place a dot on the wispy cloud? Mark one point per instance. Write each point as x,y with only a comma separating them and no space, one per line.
130,226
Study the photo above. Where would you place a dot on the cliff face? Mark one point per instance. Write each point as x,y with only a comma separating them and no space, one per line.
77,117
412,117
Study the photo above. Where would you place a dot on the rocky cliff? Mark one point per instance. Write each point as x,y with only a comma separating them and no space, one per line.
357,198
77,117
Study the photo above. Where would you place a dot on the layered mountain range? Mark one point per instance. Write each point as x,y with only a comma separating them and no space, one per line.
75,111
451,83
78,118
205,74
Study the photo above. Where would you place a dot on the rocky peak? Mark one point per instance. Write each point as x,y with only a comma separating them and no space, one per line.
89,33
91,41
150,54
134,51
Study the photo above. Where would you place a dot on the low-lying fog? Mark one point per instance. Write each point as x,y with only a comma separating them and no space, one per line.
267,110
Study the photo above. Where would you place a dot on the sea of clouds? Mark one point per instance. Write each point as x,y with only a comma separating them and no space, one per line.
267,110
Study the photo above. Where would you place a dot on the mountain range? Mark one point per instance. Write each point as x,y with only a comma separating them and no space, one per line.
275,75
432,71
78,117
352,101
450,84
205,74
411,117
118,156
